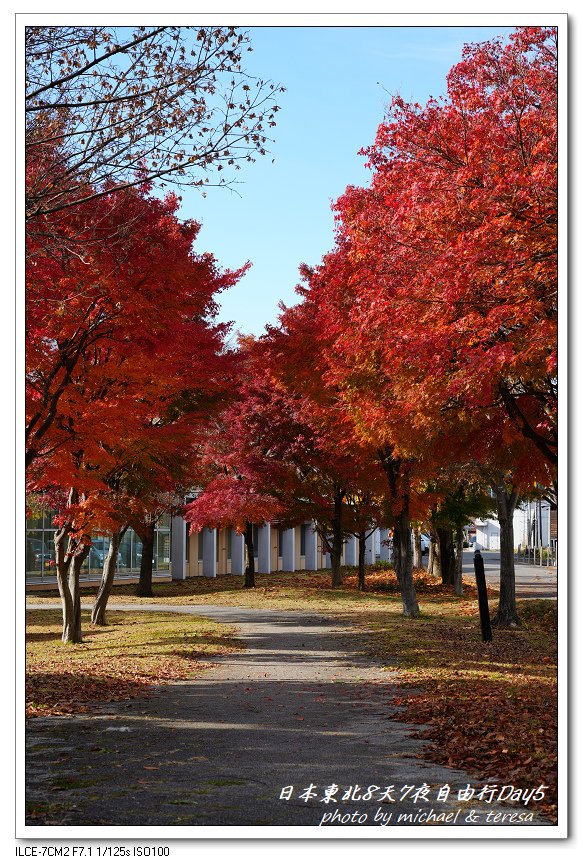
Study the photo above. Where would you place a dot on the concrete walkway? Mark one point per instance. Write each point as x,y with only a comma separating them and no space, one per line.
302,705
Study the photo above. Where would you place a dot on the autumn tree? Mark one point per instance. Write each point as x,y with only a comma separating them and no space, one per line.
456,238
108,108
341,476
460,494
117,398
283,452
366,397
440,297
514,472
365,515
295,462
83,313
232,500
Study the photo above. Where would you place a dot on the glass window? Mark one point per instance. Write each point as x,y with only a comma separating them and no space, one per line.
187,549
124,554
136,549
97,554
49,566
255,539
35,554
162,551
303,529
35,521
200,546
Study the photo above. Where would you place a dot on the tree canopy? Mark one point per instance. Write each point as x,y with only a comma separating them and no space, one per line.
110,107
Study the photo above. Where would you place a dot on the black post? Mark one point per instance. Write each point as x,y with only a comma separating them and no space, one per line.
482,597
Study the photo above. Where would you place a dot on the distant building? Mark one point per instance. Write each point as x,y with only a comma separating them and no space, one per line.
208,553
40,552
223,551
535,524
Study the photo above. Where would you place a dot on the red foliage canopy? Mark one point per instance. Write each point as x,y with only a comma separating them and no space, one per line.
124,362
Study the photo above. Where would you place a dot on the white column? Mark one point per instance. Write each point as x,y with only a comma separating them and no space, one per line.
385,552
377,543
546,524
237,553
351,551
369,556
209,552
264,549
178,549
288,552
311,548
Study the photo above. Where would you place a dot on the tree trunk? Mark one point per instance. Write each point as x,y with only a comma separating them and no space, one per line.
69,634
417,554
430,557
335,565
250,569
436,563
405,574
109,566
144,587
506,502
68,562
337,540
397,553
458,586
446,556
361,560
398,478
75,566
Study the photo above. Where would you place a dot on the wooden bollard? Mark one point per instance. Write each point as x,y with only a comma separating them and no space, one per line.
482,597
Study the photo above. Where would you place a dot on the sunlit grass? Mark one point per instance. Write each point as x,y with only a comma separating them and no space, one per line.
301,590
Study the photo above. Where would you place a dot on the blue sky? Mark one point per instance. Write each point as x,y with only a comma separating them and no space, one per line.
338,80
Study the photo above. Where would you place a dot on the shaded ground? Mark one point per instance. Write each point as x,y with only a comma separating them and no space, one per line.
115,662
303,705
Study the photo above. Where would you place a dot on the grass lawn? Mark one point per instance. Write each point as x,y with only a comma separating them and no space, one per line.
302,590
115,662
490,709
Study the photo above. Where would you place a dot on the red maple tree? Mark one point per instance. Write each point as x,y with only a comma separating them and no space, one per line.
124,367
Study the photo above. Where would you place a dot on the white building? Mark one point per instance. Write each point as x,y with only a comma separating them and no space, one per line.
532,527
222,551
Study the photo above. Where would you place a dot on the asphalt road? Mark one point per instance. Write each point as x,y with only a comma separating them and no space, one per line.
532,581
302,708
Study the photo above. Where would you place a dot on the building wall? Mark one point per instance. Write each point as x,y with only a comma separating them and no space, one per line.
40,551
526,522
488,535
222,543
532,523
186,548
299,559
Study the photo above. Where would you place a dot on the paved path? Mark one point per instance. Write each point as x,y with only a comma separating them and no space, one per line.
532,581
302,705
